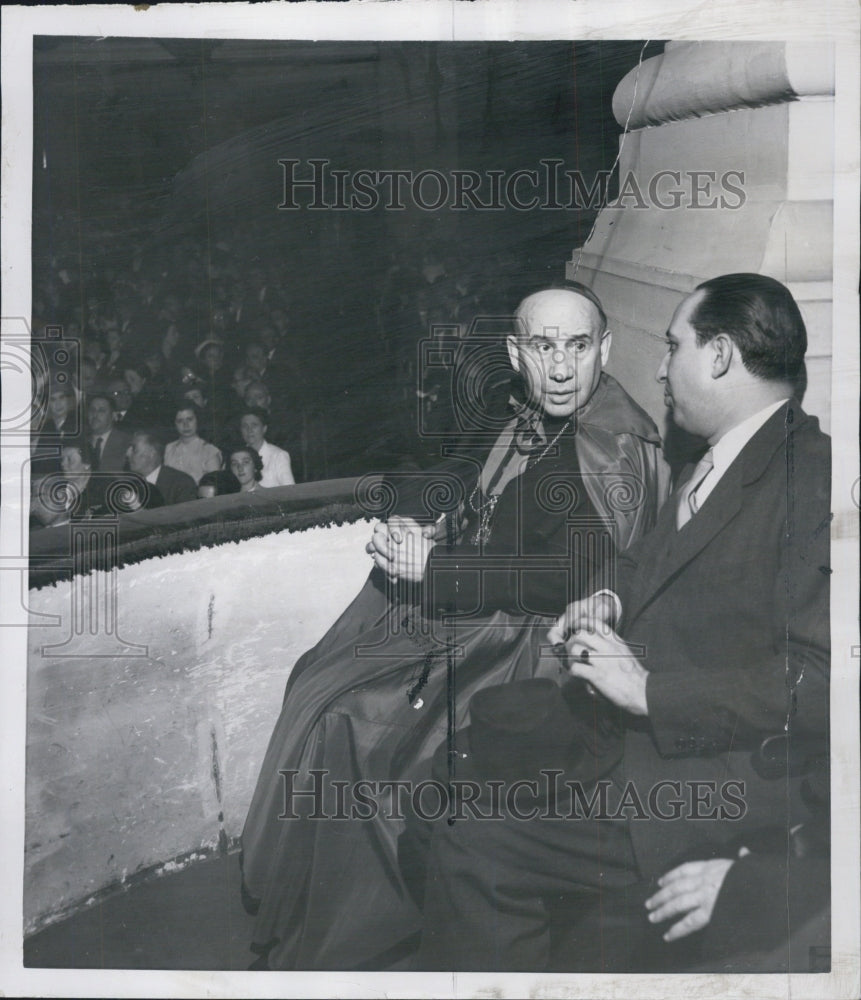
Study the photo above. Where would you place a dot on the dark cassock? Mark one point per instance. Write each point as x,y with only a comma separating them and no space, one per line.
536,514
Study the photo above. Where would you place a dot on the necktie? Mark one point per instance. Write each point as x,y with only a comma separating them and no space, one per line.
97,451
688,505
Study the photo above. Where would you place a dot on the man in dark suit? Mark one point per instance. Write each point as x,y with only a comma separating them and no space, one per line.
109,443
721,682
146,458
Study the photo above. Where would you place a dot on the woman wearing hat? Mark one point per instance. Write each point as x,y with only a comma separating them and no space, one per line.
213,375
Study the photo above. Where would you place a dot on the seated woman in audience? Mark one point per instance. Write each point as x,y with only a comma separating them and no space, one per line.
79,494
190,453
253,424
247,466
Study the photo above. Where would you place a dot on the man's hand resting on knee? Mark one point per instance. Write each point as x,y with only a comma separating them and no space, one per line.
690,892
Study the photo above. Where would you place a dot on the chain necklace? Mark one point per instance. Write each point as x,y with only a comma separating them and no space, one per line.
485,510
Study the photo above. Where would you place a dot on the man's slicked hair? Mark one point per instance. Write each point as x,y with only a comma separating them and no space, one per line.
761,318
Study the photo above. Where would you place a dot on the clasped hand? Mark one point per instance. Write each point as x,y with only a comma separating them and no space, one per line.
598,655
400,548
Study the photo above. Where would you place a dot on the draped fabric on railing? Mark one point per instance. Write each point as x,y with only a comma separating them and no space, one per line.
130,538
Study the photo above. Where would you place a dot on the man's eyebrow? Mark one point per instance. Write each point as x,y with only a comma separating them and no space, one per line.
548,337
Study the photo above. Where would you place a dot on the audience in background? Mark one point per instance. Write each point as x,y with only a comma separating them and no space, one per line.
207,326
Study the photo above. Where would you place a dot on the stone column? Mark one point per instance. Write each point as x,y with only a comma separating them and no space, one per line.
736,139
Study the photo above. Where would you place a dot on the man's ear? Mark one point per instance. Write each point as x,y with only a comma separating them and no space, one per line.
606,341
722,350
513,351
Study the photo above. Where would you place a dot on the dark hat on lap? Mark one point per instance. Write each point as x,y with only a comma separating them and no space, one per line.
519,729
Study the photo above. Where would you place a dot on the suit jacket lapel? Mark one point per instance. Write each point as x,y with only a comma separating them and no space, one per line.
678,548
672,550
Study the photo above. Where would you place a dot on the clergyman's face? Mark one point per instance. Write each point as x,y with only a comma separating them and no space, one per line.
685,372
560,350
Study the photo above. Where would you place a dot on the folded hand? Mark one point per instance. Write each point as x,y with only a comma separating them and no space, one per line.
400,547
592,613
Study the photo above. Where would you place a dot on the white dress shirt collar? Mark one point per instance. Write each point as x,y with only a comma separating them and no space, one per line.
729,447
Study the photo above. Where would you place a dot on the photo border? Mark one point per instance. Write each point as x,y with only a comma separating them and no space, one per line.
449,21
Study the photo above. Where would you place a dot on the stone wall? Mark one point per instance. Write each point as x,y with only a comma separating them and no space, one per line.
763,110
136,760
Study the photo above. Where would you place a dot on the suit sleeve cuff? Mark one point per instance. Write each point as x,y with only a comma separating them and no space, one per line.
677,729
